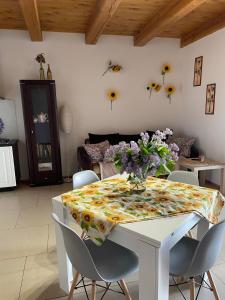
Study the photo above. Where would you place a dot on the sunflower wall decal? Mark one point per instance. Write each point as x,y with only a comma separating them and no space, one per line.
113,68
166,68
112,96
153,86
170,90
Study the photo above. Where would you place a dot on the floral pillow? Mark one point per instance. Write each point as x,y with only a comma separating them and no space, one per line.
184,144
97,151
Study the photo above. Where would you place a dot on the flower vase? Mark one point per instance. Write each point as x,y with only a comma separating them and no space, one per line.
137,185
42,72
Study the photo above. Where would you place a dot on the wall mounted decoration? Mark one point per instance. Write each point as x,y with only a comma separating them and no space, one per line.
166,68
210,99
112,95
170,90
198,71
113,68
2,126
153,86
41,60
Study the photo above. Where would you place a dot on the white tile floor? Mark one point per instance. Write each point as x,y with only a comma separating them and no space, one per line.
28,264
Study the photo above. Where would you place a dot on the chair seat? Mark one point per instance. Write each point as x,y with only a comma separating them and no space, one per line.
181,256
122,261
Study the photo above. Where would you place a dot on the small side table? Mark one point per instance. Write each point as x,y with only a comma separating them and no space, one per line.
208,164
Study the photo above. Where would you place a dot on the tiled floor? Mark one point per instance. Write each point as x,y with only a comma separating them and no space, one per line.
28,264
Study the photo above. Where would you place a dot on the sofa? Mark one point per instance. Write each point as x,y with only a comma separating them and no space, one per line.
85,162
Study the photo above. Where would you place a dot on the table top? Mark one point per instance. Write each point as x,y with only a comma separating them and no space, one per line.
207,163
155,231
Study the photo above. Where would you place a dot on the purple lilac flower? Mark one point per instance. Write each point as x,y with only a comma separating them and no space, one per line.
144,138
155,159
160,134
168,131
174,155
174,147
134,147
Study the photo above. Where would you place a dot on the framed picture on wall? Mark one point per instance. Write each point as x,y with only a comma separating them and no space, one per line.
198,71
210,99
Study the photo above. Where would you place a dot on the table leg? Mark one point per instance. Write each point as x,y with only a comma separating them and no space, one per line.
203,227
153,272
64,265
222,181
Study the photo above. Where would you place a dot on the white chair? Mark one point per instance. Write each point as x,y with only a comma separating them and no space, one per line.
191,258
184,176
84,178
109,263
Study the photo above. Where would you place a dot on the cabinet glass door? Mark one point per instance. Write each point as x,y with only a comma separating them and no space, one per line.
41,125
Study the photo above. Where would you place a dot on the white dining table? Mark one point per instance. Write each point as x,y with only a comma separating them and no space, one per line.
151,240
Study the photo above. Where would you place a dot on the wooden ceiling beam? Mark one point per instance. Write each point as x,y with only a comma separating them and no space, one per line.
31,17
201,32
103,12
167,16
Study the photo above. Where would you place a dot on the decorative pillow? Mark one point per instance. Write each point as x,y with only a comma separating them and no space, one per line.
98,138
184,144
97,151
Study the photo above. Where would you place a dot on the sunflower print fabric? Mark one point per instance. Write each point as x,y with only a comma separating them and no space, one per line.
98,207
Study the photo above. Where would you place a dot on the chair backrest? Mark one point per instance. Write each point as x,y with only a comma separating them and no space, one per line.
208,250
84,178
184,176
78,252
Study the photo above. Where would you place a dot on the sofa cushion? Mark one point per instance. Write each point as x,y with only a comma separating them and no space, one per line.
97,151
98,138
184,144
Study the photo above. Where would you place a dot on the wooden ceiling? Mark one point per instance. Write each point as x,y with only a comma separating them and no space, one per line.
188,20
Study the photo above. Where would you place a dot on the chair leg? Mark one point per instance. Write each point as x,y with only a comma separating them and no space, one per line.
213,286
76,276
93,296
192,289
126,291
73,286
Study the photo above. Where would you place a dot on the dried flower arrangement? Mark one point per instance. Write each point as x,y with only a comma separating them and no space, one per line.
41,60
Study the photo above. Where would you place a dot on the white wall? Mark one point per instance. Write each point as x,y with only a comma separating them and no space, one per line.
209,129
77,69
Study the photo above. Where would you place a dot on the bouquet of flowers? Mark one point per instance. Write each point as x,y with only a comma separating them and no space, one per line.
147,157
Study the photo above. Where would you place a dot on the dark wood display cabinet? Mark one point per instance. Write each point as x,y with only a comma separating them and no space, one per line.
41,128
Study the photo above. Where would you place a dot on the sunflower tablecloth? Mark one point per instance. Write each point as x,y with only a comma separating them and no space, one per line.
98,207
